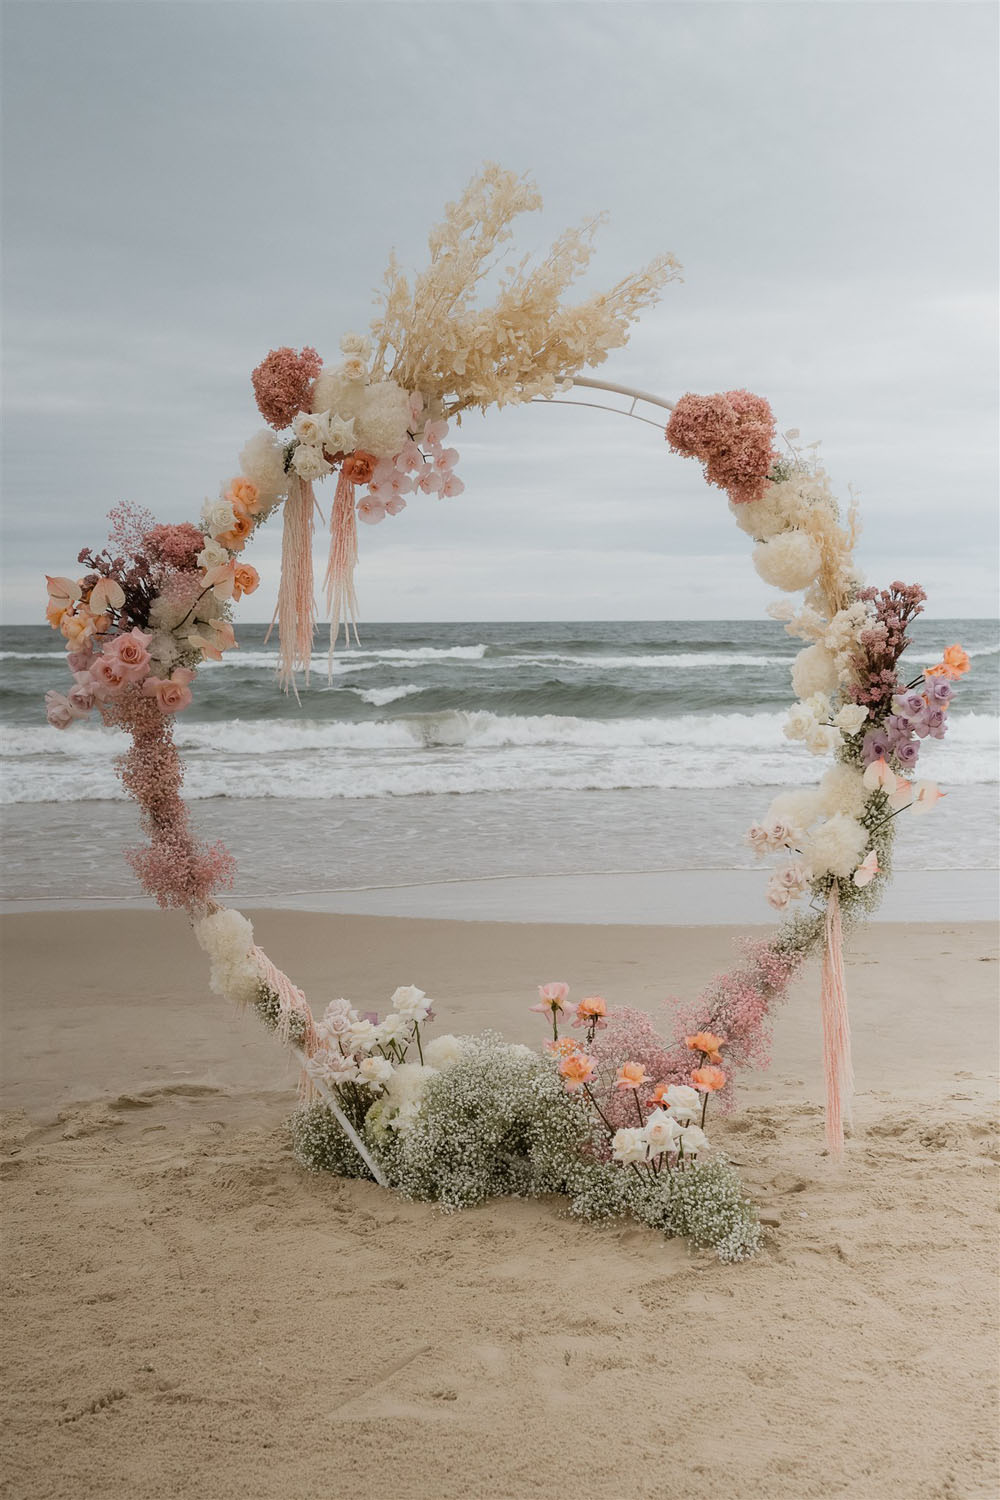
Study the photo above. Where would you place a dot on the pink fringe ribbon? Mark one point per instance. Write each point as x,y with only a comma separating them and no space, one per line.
341,600
291,1001
836,1031
296,608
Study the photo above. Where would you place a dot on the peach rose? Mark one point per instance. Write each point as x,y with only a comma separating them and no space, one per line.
708,1042
78,626
235,537
130,652
108,676
359,466
630,1076
708,1080
576,1071
245,580
243,494
171,693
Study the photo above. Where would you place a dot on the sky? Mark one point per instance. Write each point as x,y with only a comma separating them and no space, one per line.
188,185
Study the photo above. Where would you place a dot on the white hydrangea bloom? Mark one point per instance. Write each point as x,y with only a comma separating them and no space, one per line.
444,1052
263,462
842,789
227,937
789,561
333,391
799,807
383,419
836,846
814,670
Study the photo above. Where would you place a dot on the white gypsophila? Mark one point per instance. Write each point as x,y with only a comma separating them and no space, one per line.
814,670
227,937
383,419
409,1081
412,1004
340,434
661,1131
360,1036
629,1145
311,427
443,1052
851,717
309,463
798,807
212,555
836,846
822,738
683,1102
789,561
374,1072
842,789
332,391
693,1139
262,460
357,344
217,516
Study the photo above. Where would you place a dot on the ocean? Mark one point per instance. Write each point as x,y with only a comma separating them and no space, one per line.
451,750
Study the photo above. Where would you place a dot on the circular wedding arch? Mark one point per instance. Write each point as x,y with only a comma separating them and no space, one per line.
158,601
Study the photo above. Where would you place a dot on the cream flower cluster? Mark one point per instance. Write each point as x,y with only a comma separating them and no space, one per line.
668,1135
227,938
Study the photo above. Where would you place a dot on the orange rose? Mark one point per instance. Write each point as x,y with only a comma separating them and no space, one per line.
708,1080
359,466
245,580
241,529
707,1042
576,1071
54,611
630,1076
659,1098
591,1009
243,493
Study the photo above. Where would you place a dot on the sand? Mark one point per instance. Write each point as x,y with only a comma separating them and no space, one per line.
190,1314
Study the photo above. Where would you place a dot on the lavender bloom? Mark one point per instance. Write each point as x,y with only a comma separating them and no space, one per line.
935,719
876,745
899,727
939,689
907,754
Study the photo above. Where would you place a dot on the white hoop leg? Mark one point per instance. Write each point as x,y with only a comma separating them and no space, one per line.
330,1100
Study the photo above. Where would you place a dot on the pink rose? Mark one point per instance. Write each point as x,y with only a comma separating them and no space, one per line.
79,661
171,693
59,710
108,676
82,695
130,652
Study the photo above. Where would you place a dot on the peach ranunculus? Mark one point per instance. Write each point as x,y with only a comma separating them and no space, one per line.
359,466
708,1080
129,651
171,693
591,1012
630,1076
707,1042
55,610
576,1071
246,581
244,493
78,625
954,663
234,538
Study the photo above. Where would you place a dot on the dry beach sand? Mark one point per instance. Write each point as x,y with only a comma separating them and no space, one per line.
190,1314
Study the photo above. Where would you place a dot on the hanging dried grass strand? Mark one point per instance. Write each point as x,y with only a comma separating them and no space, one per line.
296,609
341,599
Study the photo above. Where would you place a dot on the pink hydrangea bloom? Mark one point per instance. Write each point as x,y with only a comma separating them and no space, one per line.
283,382
174,546
732,434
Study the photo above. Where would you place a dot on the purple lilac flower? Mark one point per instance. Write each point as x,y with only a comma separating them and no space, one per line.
876,745
907,754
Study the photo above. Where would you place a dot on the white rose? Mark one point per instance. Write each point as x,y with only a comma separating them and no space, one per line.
851,717
354,369
778,895
411,1003
217,516
309,463
212,555
661,1131
393,1029
311,427
693,1139
683,1102
822,739
341,437
629,1145
356,343
799,722
375,1071
360,1036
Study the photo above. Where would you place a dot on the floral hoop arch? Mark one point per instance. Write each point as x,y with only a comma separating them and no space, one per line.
158,601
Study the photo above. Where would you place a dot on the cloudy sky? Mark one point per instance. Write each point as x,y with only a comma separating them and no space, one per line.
190,184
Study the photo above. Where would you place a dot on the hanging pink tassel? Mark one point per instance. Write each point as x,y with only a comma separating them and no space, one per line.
341,600
291,1002
295,611
836,1030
